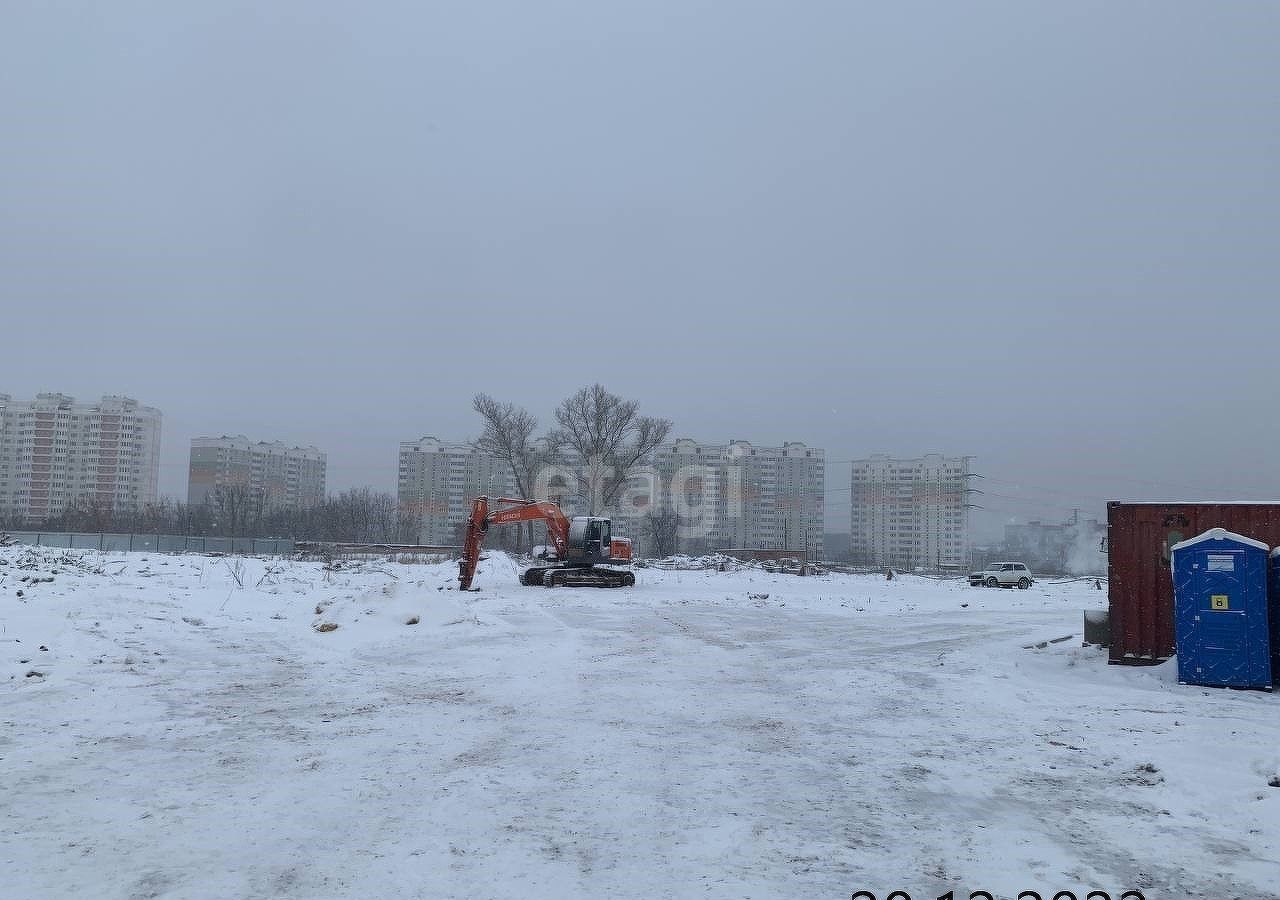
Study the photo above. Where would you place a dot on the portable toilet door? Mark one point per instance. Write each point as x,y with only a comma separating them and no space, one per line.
1220,610
1273,609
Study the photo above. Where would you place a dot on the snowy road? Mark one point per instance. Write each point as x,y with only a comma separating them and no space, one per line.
191,737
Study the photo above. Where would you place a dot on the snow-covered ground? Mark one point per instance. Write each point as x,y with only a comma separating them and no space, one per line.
176,726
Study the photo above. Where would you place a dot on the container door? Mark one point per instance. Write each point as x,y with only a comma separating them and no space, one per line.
1156,620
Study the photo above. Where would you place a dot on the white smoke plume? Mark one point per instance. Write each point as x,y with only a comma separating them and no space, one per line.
1085,556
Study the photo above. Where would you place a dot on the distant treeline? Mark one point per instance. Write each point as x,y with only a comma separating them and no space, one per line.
361,515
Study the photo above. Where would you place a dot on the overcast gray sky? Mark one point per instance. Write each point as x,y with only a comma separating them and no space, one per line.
1041,234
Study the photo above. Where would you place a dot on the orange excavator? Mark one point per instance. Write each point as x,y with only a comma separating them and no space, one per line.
585,547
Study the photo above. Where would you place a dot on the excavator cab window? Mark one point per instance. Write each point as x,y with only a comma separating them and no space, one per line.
595,539
590,538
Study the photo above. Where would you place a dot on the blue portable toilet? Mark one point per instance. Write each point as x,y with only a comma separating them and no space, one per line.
1220,619
1273,602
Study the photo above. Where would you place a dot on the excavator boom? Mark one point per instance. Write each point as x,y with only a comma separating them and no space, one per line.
514,511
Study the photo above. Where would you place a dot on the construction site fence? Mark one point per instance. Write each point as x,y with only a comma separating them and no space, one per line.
155,543
402,552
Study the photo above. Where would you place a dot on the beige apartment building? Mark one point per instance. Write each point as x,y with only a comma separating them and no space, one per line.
910,513
55,451
437,481
284,477
737,495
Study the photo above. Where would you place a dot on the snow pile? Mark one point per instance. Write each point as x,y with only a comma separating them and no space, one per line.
681,562
721,562
384,606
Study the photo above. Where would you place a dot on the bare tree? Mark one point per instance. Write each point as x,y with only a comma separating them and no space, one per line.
407,526
660,526
85,513
610,438
154,518
508,437
361,515
189,519
239,508
12,520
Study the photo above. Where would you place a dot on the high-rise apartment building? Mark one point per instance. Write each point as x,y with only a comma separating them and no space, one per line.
910,513
738,495
438,480
55,452
726,495
282,477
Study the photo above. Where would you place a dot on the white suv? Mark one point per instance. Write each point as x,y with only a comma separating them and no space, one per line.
1003,574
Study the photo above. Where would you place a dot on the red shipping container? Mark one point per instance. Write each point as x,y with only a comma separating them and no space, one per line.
1140,583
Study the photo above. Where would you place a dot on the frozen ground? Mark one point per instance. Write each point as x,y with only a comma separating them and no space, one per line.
191,734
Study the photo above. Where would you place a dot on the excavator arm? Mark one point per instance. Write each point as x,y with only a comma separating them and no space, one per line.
511,511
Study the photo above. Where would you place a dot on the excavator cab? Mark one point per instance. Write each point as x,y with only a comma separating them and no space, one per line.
589,539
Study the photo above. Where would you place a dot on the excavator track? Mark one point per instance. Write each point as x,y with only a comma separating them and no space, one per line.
533,577
578,577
